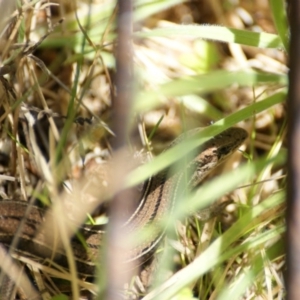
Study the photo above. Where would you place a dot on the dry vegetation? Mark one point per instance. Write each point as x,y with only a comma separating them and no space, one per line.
181,82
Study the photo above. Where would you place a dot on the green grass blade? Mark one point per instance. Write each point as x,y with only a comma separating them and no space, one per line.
206,83
218,33
145,8
278,8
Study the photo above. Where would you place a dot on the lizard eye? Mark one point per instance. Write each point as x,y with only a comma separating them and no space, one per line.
224,151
